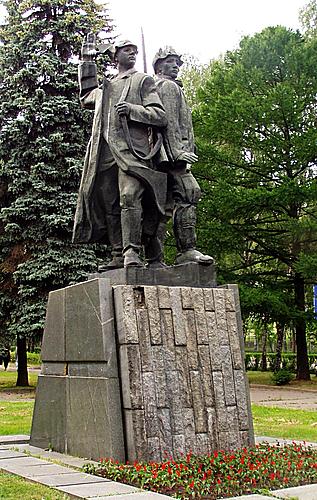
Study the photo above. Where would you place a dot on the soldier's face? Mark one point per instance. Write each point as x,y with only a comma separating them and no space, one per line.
126,56
170,66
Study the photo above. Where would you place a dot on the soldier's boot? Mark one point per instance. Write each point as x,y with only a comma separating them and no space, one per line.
131,226
115,240
184,222
153,248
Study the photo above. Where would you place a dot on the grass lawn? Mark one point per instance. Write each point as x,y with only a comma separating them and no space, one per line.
15,417
264,378
16,488
8,381
284,423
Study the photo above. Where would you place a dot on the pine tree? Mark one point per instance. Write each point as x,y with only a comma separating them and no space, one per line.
43,138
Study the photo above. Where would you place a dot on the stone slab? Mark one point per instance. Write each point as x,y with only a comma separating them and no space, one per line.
5,454
74,462
89,334
14,439
307,492
139,495
53,344
19,461
97,489
49,416
251,497
94,426
35,471
191,274
71,479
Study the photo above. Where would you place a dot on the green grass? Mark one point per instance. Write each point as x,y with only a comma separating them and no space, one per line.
264,378
16,488
284,423
8,380
15,417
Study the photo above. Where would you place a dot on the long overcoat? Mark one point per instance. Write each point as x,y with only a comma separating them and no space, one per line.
146,112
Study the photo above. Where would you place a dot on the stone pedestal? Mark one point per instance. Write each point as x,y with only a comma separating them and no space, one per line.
134,371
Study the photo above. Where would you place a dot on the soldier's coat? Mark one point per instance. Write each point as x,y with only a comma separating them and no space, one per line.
146,111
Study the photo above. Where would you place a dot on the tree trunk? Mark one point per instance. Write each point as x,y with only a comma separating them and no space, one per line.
23,379
279,345
300,330
264,342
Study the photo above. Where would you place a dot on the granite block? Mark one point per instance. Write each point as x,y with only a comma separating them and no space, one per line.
144,340
198,403
126,322
94,426
189,274
165,431
131,376
49,416
191,337
53,343
178,316
150,404
152,305
58,369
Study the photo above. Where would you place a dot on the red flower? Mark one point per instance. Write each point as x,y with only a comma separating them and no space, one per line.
272,476
192,484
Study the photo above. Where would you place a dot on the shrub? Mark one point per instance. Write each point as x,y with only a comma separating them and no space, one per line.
282,377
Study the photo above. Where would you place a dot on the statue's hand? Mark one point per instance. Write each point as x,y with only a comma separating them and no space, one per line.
88,48
123,108
188,157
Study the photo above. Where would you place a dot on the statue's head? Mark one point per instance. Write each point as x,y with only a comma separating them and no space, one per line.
125,53
167,62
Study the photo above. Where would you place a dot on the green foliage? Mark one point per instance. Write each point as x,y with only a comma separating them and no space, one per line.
255,127
308,18
253,361
43,138
282,377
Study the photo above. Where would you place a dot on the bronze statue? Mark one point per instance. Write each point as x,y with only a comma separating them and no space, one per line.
121,197
178,155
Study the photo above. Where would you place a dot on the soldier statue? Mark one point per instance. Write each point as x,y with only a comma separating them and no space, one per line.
178,156
121,197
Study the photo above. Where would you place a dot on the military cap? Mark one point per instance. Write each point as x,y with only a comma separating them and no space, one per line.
123,43
163,54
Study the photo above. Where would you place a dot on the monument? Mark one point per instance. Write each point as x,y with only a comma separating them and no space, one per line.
141,360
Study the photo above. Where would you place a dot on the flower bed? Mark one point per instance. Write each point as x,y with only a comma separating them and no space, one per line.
220,474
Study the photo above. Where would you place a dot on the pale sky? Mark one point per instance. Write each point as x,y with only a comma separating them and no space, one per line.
202,28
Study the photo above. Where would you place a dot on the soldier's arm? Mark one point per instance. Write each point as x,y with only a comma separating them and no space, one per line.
170,95
87,72
151,111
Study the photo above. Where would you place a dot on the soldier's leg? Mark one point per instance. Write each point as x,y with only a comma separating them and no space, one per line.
186,194
108,213
131,192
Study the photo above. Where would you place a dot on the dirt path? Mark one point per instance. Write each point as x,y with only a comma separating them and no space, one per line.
284,397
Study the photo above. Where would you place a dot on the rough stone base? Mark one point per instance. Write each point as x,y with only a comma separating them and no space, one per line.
136,372
182,370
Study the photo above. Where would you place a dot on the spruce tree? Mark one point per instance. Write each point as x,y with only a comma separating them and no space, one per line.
43,137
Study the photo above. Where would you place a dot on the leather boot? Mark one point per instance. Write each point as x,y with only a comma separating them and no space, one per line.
115,240
184,229
131,226
153,248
